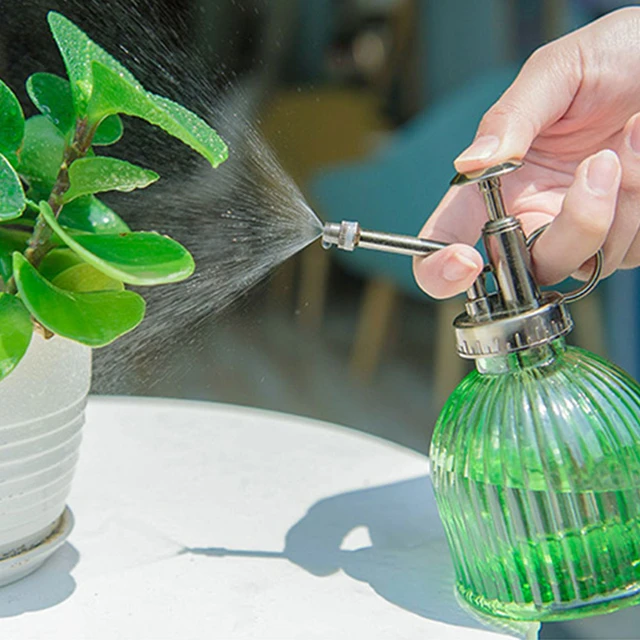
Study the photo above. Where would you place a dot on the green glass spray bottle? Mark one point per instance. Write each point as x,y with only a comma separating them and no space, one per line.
536,455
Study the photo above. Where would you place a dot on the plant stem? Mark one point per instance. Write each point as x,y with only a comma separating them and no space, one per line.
40,241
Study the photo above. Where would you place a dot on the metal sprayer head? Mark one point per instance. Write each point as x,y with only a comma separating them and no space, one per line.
517,316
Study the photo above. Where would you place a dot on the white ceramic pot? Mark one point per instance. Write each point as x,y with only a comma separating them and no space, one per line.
41,415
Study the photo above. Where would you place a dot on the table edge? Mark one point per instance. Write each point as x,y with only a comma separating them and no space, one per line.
208,405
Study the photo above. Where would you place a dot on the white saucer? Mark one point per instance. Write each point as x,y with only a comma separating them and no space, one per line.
22,564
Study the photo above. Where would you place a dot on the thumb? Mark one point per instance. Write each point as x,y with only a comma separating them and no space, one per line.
540,95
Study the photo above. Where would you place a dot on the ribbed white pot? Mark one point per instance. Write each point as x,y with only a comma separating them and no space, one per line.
41,415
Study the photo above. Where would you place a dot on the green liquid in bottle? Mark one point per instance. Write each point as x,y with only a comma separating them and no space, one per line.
536,467
543,548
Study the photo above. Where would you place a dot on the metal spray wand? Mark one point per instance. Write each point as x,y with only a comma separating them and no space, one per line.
349,235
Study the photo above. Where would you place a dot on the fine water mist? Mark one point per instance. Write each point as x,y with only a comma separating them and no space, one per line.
240,221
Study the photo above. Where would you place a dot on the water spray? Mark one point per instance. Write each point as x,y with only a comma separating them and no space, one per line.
537,447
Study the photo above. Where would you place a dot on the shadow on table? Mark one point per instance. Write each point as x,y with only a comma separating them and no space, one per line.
408,561
46,587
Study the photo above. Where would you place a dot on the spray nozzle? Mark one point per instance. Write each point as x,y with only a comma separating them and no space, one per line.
348,235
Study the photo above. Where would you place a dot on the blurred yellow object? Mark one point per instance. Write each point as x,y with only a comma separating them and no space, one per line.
309,128
313,127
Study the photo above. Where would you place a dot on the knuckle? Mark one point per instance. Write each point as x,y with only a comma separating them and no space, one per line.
539,55
508,112
500,116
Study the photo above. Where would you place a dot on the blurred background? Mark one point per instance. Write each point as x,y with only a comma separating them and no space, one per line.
365,103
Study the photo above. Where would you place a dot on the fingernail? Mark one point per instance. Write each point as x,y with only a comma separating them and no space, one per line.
481,149
457,267
602,172
634,136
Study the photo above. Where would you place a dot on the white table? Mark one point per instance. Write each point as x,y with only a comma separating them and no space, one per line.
203,521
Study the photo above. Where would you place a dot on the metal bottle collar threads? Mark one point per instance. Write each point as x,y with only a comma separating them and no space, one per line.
517,316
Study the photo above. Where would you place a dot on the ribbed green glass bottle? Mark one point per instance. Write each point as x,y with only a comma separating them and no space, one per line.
536,468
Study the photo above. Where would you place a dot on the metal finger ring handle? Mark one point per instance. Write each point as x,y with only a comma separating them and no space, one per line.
590,284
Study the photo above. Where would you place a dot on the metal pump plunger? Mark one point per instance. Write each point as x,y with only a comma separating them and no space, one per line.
518,316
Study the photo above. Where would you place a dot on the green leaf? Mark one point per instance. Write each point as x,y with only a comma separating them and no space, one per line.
57,261
191,129
12,198
10,240
83,277
92,175
90,214
94,319
78,52
16,329
139,258
41,154
101,86
52,96
11,121
109,131
65,269
114,94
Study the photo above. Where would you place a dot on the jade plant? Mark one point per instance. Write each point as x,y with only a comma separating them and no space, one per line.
65,257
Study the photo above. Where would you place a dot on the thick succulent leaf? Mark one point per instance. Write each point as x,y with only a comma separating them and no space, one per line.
93,175
139,258
52,96
82,277
11,121
78,52
109,131
185,125
16,329
10,240
41,154
12,198
94,319
91,215
114,94
67,270
57,261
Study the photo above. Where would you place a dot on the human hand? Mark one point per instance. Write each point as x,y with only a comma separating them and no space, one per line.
573,116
